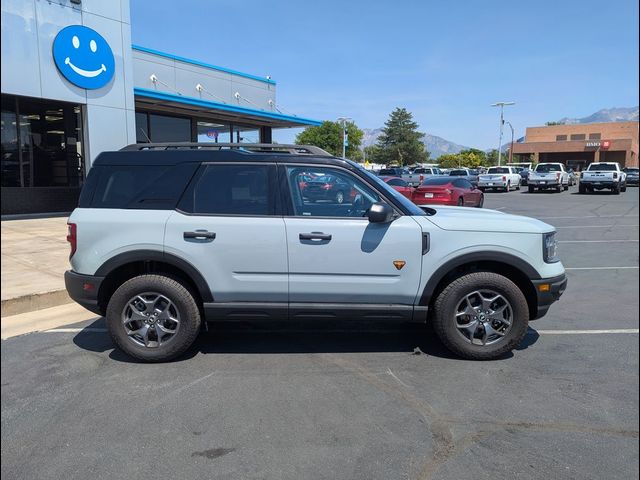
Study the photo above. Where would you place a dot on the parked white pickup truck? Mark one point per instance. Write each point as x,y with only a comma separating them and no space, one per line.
500,178
603,175
548,176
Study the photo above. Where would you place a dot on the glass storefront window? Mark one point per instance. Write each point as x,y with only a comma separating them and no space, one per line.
164,128
246,134
40,143
212,132
142,128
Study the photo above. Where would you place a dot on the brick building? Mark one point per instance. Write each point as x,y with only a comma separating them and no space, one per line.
578,145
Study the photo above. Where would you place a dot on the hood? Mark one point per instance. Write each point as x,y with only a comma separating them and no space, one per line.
484,220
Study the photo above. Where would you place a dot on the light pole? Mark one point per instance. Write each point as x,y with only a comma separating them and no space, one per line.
511,147
501,105
343,121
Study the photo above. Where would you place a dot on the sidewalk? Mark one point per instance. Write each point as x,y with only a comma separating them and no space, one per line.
35,255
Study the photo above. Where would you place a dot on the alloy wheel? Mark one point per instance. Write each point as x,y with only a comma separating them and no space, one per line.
150,319
483,317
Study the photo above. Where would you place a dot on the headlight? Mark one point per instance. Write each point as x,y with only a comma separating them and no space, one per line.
550,248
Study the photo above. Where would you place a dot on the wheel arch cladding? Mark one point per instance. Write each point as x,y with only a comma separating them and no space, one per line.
515,269
127,265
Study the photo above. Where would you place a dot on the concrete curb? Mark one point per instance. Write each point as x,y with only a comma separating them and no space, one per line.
35,301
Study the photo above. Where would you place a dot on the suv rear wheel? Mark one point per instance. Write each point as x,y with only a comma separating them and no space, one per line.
153,318
481,316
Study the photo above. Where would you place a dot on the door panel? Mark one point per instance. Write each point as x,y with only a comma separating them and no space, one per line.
245,262
356,264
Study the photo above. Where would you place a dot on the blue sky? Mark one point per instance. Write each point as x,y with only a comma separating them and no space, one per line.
445,61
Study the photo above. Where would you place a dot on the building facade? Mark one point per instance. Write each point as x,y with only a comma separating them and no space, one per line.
73,86
581,144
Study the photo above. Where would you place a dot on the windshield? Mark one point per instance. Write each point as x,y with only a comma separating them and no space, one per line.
548,167
498,170
630,170
409,206
602,167
458,173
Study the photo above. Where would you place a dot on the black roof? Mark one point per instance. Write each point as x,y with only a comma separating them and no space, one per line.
177,153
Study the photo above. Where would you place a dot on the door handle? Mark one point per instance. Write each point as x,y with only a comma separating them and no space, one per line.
315,236
199,235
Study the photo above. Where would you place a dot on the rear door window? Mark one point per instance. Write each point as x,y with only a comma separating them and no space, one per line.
224,189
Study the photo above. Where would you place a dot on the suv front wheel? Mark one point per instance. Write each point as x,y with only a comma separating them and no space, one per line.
481,316
153,318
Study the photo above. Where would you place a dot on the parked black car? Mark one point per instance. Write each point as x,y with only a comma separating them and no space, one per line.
632,175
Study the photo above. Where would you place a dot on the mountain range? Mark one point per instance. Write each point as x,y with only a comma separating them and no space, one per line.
439,146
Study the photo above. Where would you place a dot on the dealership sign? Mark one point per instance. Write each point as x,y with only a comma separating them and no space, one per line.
604,145
83,57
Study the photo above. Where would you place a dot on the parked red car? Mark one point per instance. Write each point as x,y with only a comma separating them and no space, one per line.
400,185
448,191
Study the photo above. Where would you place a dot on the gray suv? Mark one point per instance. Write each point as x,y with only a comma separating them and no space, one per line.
168,236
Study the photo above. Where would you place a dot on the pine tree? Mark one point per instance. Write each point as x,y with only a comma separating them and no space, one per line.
400,142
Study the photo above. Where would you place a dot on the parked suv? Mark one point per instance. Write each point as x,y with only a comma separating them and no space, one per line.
167,236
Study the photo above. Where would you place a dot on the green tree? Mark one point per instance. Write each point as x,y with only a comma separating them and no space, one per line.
400,142
492,158
328,136
474,152
450,160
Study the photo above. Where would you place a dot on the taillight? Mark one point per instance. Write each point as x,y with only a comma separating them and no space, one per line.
581,174
558,175
72,238
421,178
615,174
504,179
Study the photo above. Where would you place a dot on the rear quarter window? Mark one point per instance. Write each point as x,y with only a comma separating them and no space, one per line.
151,187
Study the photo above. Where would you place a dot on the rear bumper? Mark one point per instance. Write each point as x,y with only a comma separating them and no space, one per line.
556,287
633,181
488,184
599,183
434,201
83,289
543,183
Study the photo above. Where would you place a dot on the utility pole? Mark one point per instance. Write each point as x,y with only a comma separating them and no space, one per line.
345,138
510,148
501,105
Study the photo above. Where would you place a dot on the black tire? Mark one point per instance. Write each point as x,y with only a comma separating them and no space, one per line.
616,190
508,187
623,188
531,188
518,186
566,187
481,202
559,188
460,202
445,307
582,189
181,298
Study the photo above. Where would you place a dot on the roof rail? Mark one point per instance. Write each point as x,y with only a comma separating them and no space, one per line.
248,147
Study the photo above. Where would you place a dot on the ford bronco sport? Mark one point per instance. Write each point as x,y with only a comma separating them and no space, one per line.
168,236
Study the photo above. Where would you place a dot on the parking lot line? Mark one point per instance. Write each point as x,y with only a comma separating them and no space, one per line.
586,332
601,268
542,332
597,241
596,226
589,216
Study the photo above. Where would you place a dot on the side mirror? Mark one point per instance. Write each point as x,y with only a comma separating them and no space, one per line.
380,213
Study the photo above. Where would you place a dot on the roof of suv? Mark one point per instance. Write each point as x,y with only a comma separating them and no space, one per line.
176,153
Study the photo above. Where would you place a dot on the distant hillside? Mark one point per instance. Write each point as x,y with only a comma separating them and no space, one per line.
623,114
435,145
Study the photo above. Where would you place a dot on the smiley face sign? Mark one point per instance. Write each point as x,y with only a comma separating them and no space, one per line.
83,57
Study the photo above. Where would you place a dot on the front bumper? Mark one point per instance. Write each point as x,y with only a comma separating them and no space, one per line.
83,289
548,290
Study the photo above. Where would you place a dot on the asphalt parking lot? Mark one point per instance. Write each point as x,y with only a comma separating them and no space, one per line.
353,402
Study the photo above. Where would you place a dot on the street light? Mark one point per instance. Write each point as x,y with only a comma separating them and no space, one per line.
501,105
343,121
510,148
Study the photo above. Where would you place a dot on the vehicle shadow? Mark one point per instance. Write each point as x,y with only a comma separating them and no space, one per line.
295,338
